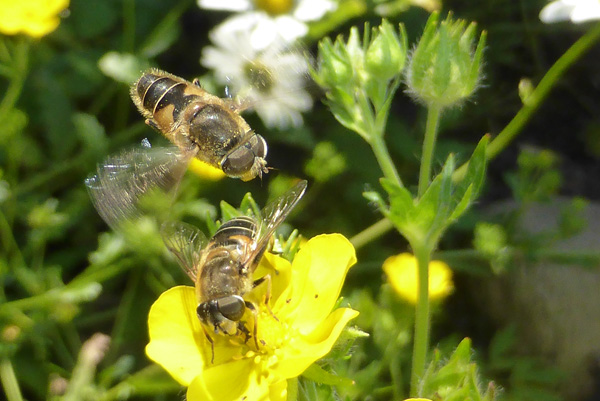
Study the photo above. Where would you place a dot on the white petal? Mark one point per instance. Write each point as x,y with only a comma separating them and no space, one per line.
225,65
263,34
311,10
290,29
229,5
587,11
243,22
555,12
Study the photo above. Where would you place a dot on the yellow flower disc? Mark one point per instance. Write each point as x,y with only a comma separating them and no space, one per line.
35,18
402,269
275,7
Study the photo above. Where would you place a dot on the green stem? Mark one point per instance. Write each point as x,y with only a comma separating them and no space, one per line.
19,73
129,26
531,104
9,381
383,158
421,341
371,233
433,121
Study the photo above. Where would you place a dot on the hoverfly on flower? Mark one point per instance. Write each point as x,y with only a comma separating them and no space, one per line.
222,267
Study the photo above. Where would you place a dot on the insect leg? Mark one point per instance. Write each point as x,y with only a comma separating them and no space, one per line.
152,124
258,282
252,308
212,345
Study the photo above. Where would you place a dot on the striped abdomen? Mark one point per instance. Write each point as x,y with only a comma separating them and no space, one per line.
162,97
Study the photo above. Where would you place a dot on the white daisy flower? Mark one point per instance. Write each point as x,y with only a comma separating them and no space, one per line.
284,18
271,81
577,11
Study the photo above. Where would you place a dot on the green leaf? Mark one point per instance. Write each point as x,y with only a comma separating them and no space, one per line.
321,376
165,33
228,212
248,206
401,200
477,167
455,378
92,133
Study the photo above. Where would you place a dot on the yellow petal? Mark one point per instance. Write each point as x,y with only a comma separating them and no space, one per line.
35,18
305,350
281,273
318,272
278,391
237,380
402,273
176,338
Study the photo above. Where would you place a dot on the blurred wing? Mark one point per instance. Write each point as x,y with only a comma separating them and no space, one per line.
122,180
275,213
187,243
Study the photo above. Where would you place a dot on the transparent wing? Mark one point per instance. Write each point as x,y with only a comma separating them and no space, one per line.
187,243
124,179
275,212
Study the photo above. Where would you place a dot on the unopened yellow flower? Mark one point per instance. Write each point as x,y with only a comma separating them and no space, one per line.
206,171
402,274
304,293
35,18
417,399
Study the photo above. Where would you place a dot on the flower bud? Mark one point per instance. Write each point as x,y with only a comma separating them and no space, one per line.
386,54
335,68
445,67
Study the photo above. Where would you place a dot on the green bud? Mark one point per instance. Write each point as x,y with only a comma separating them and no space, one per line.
445,67
386,54
526,88
356,51
335,67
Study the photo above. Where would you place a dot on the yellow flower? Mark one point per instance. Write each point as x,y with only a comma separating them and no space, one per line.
402,273
206,171
303,295
417,399
35,18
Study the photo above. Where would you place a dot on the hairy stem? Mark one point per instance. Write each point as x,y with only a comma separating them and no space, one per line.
421,340
537,97
433,121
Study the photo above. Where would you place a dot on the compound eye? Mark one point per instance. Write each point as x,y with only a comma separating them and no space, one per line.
204,311
238,162
259,146
232,307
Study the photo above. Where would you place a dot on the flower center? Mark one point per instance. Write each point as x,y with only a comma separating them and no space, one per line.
275,7
259,76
